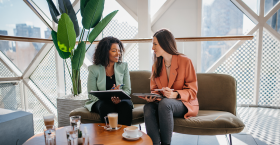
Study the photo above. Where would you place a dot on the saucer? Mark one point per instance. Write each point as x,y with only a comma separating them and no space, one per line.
111,129
134,138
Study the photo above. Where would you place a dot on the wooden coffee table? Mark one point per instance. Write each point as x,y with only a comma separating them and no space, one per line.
97,135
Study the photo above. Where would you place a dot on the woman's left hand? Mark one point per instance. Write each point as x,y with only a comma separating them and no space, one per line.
168,93
115,100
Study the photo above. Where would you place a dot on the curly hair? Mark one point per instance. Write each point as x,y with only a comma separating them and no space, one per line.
101,55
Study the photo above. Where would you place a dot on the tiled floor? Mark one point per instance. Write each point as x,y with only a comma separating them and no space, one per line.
262,128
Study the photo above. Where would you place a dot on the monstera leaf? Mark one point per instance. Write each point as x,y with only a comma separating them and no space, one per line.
92,13
65,6
54,12
79,56
100,26
66,37
63,55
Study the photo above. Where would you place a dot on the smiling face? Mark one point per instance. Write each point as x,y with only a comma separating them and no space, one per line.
157,48
114,53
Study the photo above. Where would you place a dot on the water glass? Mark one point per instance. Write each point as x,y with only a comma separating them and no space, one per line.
75,121
49,134
72,135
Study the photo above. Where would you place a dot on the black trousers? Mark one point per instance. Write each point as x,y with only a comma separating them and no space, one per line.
124,110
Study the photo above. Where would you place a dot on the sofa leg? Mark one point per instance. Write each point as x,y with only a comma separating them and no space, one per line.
139,126
230,141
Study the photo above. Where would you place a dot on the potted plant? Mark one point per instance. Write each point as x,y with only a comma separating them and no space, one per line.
65,41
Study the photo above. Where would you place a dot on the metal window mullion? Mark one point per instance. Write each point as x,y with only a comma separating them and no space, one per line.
24,89
230,51
199,27
259,55
59,75
40,97
246,10
22,96
258,66
275,34
9,64
161,11
132,14
269,14
37,13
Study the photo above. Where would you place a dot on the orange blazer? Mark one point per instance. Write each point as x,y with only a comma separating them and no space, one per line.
182,78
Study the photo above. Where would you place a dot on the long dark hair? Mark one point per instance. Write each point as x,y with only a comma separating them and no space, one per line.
101,55
167,42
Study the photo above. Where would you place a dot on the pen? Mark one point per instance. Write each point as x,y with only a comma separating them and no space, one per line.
120,86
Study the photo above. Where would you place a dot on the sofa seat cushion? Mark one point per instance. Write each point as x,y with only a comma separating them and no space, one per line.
209,123
92,117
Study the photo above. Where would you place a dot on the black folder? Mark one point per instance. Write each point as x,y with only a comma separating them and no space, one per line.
106,95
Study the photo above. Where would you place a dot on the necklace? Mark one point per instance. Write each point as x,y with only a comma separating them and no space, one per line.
167,66
109,75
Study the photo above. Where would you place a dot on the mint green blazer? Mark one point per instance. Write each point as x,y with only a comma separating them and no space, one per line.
97,80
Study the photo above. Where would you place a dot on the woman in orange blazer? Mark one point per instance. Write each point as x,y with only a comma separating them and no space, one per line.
174,73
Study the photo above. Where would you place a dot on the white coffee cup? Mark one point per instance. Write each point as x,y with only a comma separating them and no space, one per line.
131,131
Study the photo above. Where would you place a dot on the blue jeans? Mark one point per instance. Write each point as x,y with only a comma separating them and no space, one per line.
159,120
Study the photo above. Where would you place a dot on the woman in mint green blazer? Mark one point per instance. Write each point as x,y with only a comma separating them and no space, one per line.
108,73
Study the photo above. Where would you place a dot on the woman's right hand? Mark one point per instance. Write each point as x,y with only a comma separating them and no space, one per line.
148,98
115,87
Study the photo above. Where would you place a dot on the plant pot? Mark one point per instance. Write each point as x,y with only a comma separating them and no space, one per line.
66,104
80,140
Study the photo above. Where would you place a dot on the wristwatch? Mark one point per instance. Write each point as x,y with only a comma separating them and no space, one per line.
178,96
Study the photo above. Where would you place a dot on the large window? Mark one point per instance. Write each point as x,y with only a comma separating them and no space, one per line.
221,18
17,19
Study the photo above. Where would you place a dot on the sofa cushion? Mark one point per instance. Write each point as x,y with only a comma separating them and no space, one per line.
209,122
92,117
140,83
216,92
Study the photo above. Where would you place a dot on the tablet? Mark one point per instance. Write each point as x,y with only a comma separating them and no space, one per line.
147,94
106,95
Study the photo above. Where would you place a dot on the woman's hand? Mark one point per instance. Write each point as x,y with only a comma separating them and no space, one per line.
115,87
115,100
149,98
168,93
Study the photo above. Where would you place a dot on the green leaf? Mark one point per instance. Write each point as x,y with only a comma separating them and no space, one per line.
92,13
54,12
65,34
65,6
79,56
100,26
63,55
83,4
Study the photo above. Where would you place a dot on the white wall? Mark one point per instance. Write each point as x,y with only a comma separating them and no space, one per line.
182,18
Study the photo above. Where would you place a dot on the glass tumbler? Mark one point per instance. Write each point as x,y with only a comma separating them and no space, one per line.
72,135
50,135
75,121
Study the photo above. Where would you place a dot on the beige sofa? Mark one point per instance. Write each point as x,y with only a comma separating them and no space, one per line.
217,103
